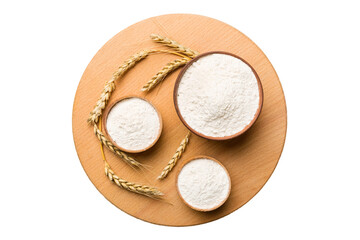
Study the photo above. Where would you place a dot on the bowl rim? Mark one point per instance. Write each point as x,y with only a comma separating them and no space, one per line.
176,87
106,114
177,186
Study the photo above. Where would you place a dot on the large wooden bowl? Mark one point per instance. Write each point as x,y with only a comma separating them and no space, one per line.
175,96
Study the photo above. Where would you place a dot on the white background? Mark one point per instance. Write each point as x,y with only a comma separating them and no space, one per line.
314,192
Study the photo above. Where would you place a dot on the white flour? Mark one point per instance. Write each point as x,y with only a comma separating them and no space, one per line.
218,95
203,183
133,124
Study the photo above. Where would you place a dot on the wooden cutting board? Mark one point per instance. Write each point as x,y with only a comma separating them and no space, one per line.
250,158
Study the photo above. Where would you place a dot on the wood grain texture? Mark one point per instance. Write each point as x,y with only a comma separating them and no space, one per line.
250,159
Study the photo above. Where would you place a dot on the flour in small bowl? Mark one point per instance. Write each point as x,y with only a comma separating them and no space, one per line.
218,95
133,124
203,184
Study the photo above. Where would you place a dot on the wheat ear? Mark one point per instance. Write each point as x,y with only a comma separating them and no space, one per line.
130,186
133,187
114,149
173,44
171,164
110,85
161,75
96,113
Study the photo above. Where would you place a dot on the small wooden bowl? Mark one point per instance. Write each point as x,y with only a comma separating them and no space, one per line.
106,114
178,191
176,87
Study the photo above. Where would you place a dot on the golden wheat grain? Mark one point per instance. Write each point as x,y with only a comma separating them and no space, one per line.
161,75
136,188
110,85
173,44
114,149
130,186
171,164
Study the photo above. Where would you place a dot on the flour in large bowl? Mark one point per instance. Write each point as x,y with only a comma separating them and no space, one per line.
218,95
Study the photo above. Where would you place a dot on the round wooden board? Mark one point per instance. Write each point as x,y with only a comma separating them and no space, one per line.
250,158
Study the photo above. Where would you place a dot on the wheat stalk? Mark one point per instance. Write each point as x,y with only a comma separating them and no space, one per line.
110,85
173,44
96,113
130,186
161,75
104,98
114,149
171,164
133,187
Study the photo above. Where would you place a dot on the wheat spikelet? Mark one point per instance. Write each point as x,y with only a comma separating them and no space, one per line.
161,75
137,188
101,102
114,149
110,85
172,44
170,52
171,164
132,187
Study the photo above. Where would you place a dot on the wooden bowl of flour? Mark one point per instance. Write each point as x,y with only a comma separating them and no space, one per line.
203,183
132,124
218,95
